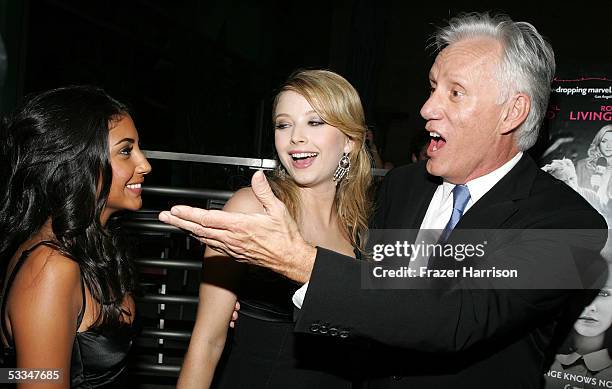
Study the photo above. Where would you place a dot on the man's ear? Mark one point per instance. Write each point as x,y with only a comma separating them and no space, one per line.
517,109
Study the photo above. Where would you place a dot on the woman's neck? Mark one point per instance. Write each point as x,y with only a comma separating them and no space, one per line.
319,220
588,344
317,205
45,232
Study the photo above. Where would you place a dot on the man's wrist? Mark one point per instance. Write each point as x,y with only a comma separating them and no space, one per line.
303,263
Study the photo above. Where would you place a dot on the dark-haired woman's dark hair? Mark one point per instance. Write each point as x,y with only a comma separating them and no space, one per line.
55,165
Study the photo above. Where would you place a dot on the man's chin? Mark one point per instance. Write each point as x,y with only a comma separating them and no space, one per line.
432,167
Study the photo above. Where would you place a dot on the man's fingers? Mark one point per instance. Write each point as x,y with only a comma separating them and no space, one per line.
192,227
263,192
207,218
207,235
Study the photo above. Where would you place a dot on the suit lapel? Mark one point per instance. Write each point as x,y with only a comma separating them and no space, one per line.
499,203
415,212
491,211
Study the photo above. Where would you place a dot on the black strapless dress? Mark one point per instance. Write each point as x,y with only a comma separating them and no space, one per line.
98,358
264,352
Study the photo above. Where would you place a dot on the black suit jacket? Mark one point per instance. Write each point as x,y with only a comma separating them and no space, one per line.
462,337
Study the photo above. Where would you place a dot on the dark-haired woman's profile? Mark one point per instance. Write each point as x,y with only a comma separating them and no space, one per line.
73,160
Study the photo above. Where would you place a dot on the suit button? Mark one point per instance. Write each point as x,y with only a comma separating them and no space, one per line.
324,328
396,378
333,331
344,334
314,327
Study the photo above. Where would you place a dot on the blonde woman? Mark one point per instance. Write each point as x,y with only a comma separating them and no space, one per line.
323,177
595,170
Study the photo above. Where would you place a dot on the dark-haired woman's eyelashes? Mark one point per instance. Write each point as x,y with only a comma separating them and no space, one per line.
126,151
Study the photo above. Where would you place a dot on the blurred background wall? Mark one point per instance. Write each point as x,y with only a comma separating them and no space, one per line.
200,74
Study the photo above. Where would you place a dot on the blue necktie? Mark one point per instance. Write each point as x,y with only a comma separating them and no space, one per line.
461,196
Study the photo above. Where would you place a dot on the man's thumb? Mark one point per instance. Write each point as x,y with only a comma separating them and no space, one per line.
262,190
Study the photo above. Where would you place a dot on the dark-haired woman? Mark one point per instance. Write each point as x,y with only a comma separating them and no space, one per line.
73,160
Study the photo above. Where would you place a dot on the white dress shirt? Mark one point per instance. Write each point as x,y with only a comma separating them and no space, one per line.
441,207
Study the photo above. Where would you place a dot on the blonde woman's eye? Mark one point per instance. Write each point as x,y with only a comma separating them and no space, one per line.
280,126
315,123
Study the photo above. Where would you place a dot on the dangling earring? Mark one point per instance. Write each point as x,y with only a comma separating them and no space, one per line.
281,172
344,165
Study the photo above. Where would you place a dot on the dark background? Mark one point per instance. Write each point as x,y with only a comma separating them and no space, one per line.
200,75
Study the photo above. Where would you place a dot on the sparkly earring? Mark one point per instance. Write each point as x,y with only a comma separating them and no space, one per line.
281,172
344,165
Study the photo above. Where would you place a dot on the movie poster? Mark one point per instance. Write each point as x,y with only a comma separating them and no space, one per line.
580,153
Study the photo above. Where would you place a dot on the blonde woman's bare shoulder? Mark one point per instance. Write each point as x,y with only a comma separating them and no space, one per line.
244,200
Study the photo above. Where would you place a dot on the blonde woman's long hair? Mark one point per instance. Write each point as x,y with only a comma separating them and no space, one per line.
594,153
338,104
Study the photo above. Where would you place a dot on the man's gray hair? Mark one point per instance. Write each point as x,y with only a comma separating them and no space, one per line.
527,64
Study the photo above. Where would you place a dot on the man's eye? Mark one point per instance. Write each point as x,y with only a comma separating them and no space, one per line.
456,93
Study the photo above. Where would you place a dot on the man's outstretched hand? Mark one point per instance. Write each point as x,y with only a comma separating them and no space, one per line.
270,240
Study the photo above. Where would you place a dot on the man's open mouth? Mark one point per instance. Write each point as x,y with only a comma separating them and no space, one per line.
436,142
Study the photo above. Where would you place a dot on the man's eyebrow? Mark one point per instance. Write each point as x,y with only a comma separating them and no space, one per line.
457,79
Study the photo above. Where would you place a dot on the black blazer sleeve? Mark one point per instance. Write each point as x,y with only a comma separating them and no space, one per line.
432,320
449,320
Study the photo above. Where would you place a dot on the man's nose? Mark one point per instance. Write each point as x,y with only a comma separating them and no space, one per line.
431,109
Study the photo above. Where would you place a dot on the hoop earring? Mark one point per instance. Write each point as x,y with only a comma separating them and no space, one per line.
344,166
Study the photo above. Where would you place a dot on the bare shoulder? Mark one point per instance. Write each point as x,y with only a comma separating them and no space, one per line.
43,307
46,272
244,200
